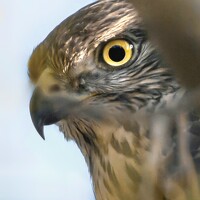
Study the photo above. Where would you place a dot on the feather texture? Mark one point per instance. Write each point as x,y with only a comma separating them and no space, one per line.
138,139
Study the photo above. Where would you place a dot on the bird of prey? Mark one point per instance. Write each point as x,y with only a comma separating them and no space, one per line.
99,78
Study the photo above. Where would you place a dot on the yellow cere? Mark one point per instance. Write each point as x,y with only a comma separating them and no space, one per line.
117,52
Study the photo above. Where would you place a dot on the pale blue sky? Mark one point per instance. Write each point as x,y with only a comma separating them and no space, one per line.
30,168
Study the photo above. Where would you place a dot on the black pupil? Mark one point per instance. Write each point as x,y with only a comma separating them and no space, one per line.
116,53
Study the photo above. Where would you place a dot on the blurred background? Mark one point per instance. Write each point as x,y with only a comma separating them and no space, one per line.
30,168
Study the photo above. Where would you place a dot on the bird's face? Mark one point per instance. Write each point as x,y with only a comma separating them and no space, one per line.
96,63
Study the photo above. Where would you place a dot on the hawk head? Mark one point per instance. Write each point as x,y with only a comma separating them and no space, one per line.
90,72
98,57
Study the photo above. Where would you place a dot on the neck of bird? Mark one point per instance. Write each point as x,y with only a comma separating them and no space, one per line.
115,174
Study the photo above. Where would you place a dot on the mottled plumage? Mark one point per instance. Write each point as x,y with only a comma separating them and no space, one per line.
110,111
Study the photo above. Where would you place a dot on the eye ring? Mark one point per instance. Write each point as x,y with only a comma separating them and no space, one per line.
117,52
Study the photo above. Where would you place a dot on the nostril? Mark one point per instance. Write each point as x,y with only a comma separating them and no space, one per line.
54,88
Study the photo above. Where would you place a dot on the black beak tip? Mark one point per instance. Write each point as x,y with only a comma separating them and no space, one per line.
40,130
39,126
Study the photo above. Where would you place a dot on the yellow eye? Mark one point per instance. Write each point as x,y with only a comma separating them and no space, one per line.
117,52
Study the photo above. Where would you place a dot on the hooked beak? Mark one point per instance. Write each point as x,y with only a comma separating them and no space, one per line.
47,110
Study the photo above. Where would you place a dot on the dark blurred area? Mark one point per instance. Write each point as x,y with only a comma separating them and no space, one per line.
174,28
